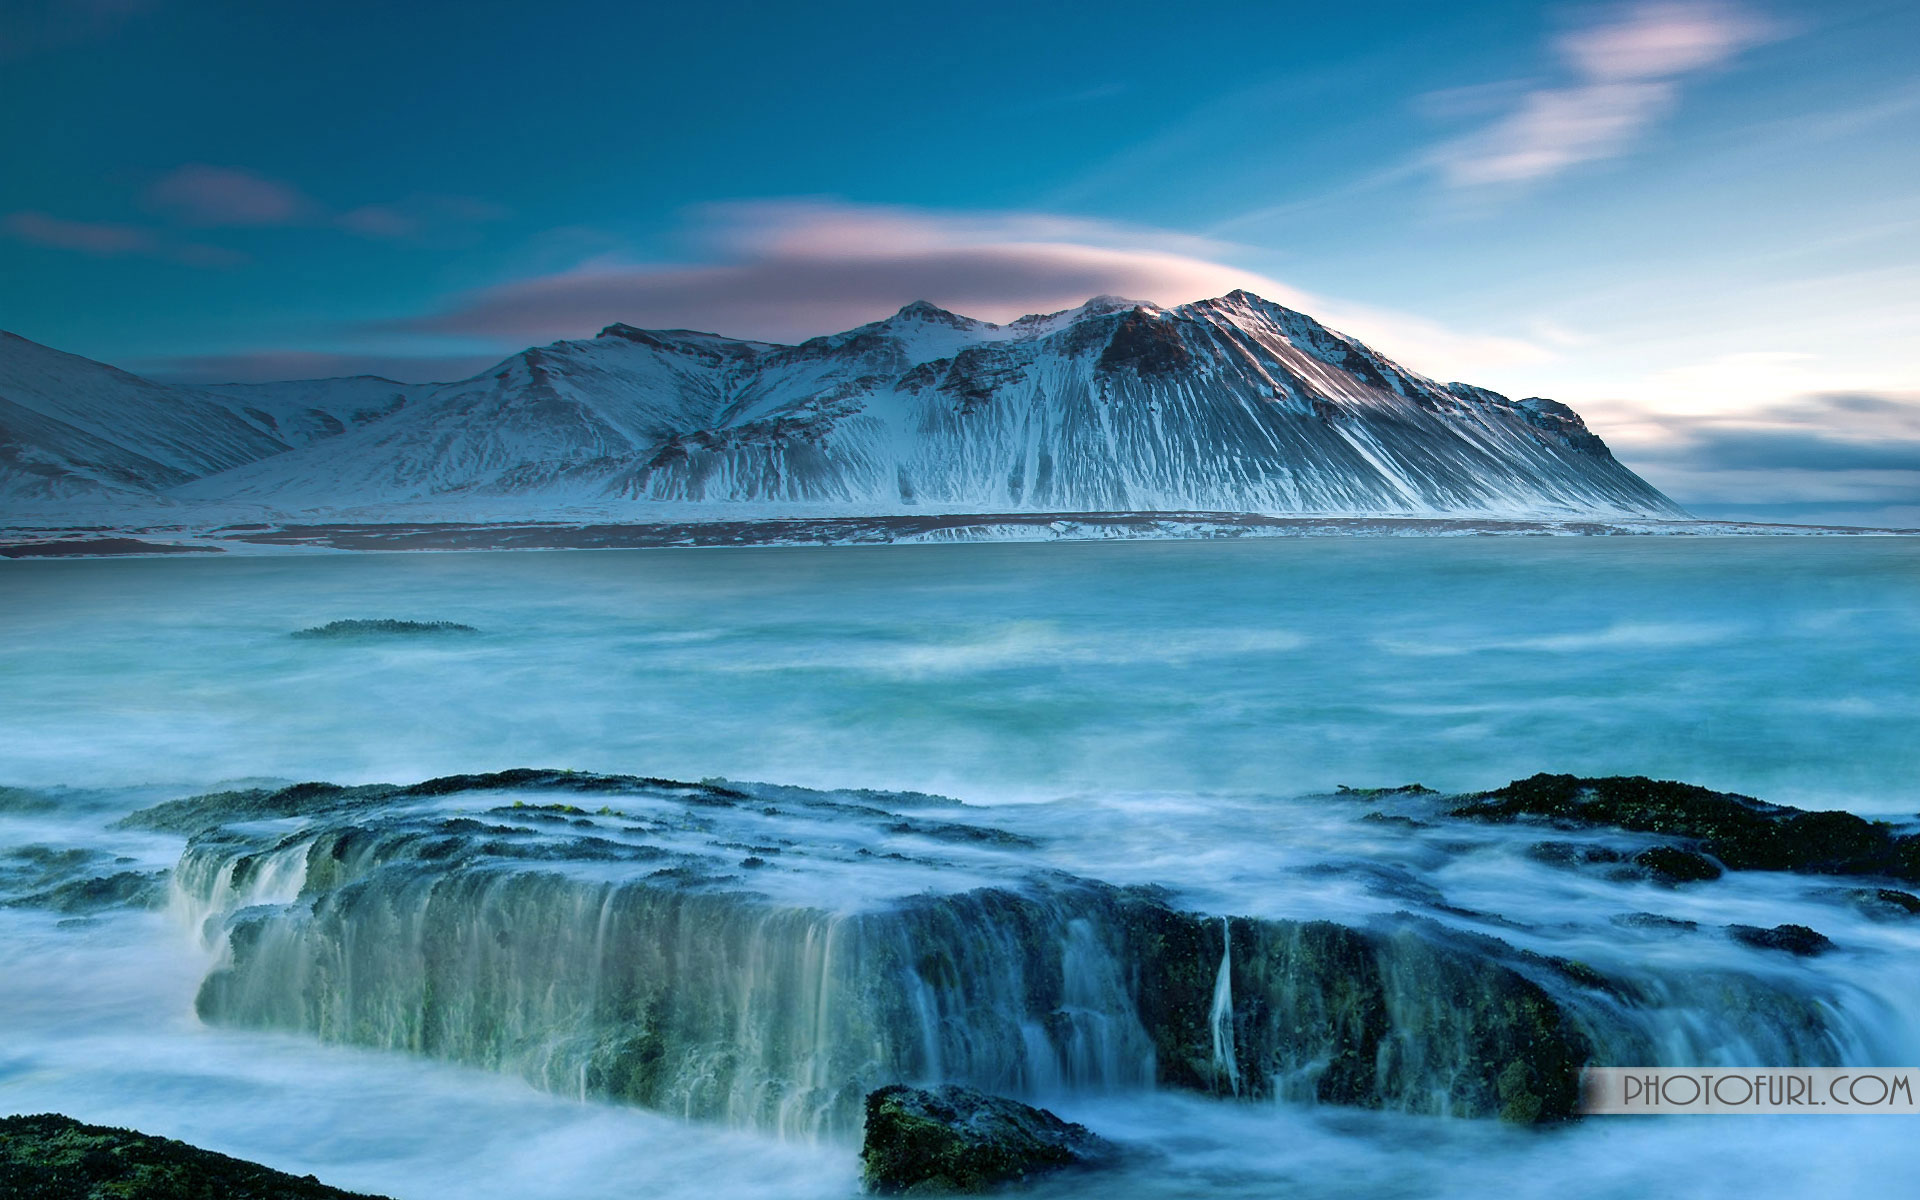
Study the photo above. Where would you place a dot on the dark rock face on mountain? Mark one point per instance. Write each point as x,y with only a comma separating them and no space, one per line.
1226,405
52,1157
954,1139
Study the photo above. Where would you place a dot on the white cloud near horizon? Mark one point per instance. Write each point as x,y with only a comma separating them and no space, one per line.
792,269
1626,71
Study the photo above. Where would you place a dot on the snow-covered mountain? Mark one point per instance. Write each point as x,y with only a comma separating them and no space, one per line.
299,411
1227,405
72,429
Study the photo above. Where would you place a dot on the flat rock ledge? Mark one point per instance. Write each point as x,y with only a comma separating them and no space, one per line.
53,1157
955,1140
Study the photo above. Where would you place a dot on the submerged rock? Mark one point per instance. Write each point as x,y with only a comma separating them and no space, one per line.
74,880
1647,920
1794,939
54,1157
383,627
1573,854
955,1139
1883,904
1672,865
122,889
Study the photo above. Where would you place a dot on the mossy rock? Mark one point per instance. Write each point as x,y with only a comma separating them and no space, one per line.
54,1157
1797,940
955,1140
1884,904
1672,865
383,627
1743,833
122,889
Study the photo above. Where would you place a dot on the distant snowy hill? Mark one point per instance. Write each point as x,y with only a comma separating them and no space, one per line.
299,411
1227,405
72,429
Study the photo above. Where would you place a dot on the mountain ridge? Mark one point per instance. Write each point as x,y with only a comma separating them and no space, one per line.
1228,404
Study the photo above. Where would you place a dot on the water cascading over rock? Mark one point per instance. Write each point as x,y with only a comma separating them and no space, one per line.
768,958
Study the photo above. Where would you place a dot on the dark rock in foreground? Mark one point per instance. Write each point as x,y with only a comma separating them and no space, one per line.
382,628
52,1157
955,1139
1744,834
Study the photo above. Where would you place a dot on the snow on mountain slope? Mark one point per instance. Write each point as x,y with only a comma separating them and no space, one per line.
74,428
1234,404
1226,405
299,411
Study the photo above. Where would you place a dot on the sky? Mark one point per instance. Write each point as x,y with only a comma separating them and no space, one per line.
1696,221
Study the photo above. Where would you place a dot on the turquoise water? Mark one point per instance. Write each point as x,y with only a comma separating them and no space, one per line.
1785,667
1157,710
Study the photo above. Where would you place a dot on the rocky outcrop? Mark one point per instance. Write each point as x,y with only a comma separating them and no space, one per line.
382,627
75,881
1742,833
768,956
957,1140
53,1157
1797,940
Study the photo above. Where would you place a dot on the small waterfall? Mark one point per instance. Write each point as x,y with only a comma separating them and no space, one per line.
647,984
1226,1058
708,1004
212,882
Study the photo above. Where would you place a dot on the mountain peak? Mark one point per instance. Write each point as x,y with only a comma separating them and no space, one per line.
1106,302
926,310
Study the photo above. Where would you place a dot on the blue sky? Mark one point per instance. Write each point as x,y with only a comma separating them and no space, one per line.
1697,221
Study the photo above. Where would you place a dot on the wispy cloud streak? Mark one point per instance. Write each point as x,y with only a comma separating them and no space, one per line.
104,239
1626,73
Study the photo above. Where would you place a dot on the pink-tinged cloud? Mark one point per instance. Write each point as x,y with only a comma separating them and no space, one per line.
202,195
419,218
1627,69
88,237
378,221
1663,40
107,240
1554,129
786,271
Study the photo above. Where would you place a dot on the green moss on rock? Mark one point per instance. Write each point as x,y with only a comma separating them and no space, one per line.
953,1139
383,627
54,1157
1741,832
